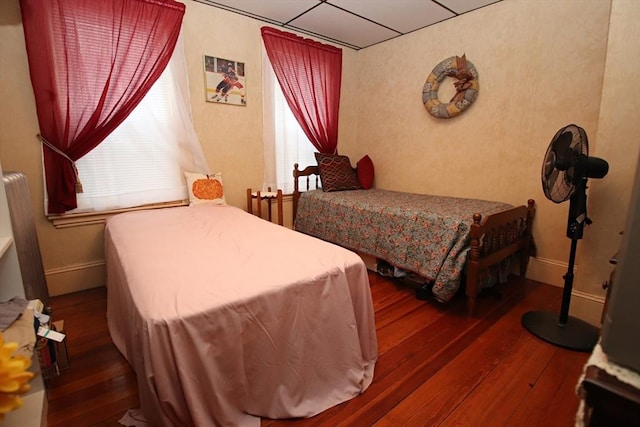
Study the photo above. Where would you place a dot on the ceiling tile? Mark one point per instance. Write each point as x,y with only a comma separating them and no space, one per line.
404,16
280,11
462,6
337,24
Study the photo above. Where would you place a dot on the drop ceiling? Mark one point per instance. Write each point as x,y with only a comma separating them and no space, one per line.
355,24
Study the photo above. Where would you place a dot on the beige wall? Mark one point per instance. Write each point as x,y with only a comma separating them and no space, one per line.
541,66
618,141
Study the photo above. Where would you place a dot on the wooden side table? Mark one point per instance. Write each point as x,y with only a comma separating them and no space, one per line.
609,393
268,196
608,401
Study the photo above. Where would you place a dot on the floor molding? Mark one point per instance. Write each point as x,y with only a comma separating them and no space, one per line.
75,277
585,306
548,271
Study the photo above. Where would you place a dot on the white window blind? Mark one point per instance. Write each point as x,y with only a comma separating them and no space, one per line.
143,161
284,141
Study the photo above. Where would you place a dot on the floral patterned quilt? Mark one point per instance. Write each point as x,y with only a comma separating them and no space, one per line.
424,234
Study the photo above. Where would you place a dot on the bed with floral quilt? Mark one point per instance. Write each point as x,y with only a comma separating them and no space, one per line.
443,240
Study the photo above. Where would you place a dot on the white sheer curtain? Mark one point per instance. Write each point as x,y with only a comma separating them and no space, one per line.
143,161
284,141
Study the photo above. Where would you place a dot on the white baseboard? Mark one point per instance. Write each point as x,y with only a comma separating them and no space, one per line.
74,278
583,306
547,271
587,307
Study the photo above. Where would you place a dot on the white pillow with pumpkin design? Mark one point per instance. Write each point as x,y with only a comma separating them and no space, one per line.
205,188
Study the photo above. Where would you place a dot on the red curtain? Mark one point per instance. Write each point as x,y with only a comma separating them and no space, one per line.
310,75
91,62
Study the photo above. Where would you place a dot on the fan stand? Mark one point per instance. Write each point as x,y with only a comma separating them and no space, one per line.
563,330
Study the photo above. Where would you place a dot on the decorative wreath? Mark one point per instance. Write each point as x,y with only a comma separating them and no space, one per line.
466,85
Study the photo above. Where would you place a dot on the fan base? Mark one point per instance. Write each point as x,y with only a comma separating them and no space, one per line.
576,334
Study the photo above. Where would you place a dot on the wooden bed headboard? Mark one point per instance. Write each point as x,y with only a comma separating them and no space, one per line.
307,172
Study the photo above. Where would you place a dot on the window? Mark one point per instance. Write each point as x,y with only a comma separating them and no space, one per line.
284,141
143,160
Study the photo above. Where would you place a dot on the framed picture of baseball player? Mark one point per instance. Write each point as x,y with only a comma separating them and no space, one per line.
224,81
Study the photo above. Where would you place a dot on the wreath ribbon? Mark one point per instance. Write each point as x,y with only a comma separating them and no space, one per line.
464,78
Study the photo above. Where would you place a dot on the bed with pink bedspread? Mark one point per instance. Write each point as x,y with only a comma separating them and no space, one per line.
226,318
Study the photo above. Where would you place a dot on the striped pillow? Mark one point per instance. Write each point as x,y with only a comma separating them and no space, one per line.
336,173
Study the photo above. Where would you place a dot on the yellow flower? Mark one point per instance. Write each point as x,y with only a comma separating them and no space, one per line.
14,377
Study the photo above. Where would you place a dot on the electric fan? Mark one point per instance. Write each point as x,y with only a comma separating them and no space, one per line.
565,171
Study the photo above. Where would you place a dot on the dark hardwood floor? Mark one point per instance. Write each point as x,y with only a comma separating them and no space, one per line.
436,366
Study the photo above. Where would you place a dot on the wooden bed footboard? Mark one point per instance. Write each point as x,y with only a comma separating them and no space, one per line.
493,239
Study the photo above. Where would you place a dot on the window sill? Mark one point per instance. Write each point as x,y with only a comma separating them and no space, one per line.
93,218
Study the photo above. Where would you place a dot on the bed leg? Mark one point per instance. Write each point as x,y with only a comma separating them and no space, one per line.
473,278
473,282
524,260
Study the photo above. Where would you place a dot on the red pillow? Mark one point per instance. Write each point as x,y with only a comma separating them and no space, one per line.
364,169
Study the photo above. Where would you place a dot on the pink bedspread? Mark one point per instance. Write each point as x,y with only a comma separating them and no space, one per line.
226,317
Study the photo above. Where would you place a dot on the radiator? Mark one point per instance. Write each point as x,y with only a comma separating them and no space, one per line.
25,237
